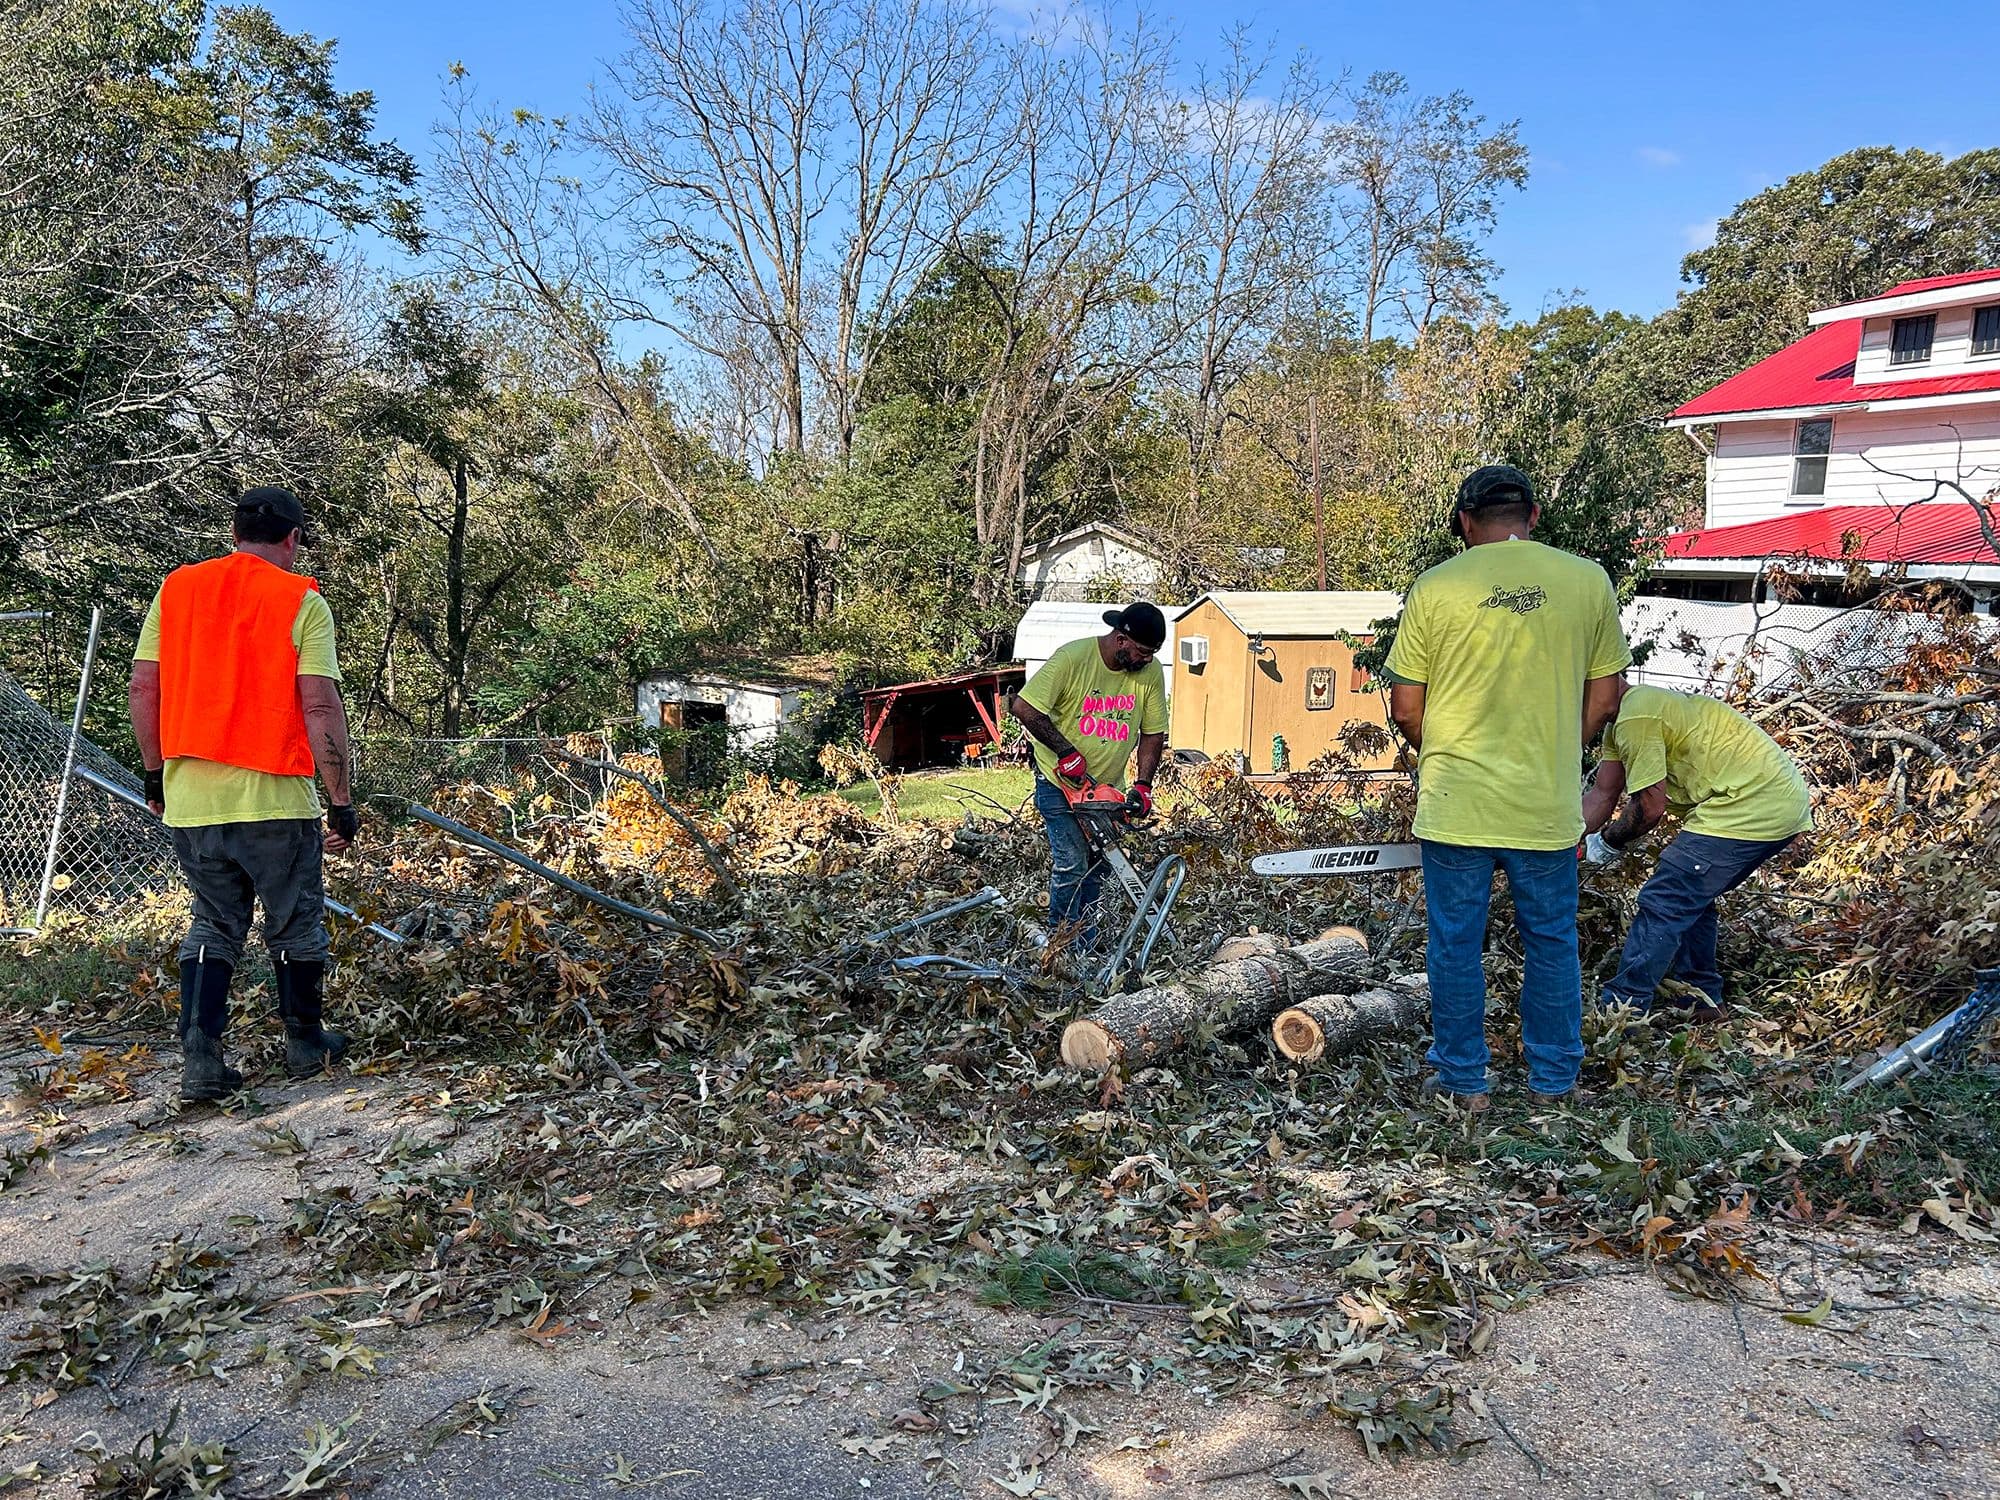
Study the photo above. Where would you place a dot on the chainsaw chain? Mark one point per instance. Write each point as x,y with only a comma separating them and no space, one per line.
1954,1048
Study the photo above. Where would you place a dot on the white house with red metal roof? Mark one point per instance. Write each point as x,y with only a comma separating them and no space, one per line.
1875,438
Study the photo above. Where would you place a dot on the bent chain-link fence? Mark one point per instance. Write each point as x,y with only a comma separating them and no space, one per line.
111,853
390,771
108,853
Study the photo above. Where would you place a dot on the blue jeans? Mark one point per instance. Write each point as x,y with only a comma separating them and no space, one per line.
1675,930
1075,879
1458,889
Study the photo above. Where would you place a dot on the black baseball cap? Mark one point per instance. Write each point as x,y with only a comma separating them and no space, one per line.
275,500
1141,622
1495,484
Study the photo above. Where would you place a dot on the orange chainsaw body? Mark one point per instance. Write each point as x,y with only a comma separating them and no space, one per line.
1096,797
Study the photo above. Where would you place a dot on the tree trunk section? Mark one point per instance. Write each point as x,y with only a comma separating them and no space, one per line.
1341,1025
1150,1024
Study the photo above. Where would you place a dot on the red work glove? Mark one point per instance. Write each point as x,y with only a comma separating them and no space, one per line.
1073,767
1141,798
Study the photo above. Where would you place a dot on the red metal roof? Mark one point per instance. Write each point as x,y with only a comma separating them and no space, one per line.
1819,371
1933,283
971,677
1937,531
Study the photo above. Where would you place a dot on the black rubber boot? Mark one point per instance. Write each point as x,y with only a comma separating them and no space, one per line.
204,1015
309,1047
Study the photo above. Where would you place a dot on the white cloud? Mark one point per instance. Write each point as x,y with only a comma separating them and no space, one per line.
1699,236
1659,156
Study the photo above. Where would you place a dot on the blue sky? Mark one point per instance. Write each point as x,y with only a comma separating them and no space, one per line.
1644,121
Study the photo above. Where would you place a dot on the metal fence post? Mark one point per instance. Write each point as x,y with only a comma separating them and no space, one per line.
69,768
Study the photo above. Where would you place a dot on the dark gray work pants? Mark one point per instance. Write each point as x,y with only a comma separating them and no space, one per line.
230,865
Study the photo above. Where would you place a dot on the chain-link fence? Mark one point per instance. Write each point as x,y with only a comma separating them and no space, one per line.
106,852
392,771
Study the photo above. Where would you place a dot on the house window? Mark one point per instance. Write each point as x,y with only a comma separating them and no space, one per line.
1812,440
1910,340
1986,330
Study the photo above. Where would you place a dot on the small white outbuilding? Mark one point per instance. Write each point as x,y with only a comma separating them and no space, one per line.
755,702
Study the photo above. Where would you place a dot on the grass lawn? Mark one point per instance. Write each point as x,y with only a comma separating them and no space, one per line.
947,796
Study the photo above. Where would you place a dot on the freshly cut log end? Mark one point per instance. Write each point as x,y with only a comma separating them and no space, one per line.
1344,1024
1249,945
1352,934
1298,1035
1089,1047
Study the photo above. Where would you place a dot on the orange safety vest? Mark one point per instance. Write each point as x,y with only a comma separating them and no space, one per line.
228,669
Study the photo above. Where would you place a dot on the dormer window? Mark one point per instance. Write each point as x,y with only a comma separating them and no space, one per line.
1812,440
1910,340
1986,330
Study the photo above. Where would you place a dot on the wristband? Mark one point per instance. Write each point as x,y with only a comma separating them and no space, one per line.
156,785
343,819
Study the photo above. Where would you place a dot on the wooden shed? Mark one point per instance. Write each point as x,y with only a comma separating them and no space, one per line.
1250,667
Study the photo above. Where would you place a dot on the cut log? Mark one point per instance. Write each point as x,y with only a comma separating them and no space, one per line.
1149,1024
1342,1025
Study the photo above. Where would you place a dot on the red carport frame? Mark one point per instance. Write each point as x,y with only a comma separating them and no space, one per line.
878,703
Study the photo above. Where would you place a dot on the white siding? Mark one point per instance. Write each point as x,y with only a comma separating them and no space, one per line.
1068,570
1750,476
1951,348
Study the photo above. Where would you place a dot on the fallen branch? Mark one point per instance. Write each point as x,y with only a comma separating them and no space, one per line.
1263,1468
1896,736
534,866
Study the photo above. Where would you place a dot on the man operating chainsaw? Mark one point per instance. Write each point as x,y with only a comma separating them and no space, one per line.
1089,707
1502,670
1741,800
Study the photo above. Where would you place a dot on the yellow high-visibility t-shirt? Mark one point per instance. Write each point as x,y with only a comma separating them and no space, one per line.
1101,711
205,792
1503,638
1724,776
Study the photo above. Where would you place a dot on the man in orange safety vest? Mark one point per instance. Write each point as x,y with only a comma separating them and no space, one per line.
235,702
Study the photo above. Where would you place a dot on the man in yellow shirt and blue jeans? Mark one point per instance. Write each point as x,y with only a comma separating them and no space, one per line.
1502,670
1089,708
1741,801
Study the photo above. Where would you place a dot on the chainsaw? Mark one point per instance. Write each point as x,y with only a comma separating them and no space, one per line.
1102,813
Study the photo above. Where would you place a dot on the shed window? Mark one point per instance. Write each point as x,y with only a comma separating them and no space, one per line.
1986,330
1812,440
1910,340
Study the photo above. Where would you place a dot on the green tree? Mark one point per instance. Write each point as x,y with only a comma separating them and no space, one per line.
484,473
169,221
1578,419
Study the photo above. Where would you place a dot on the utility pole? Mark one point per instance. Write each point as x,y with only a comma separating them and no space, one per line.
1319,499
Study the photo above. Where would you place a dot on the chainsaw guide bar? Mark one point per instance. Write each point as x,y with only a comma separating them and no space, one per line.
1349,859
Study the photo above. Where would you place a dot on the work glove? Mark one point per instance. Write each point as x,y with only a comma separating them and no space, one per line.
156,788
1073,767
1141,798
1597,852
343,820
